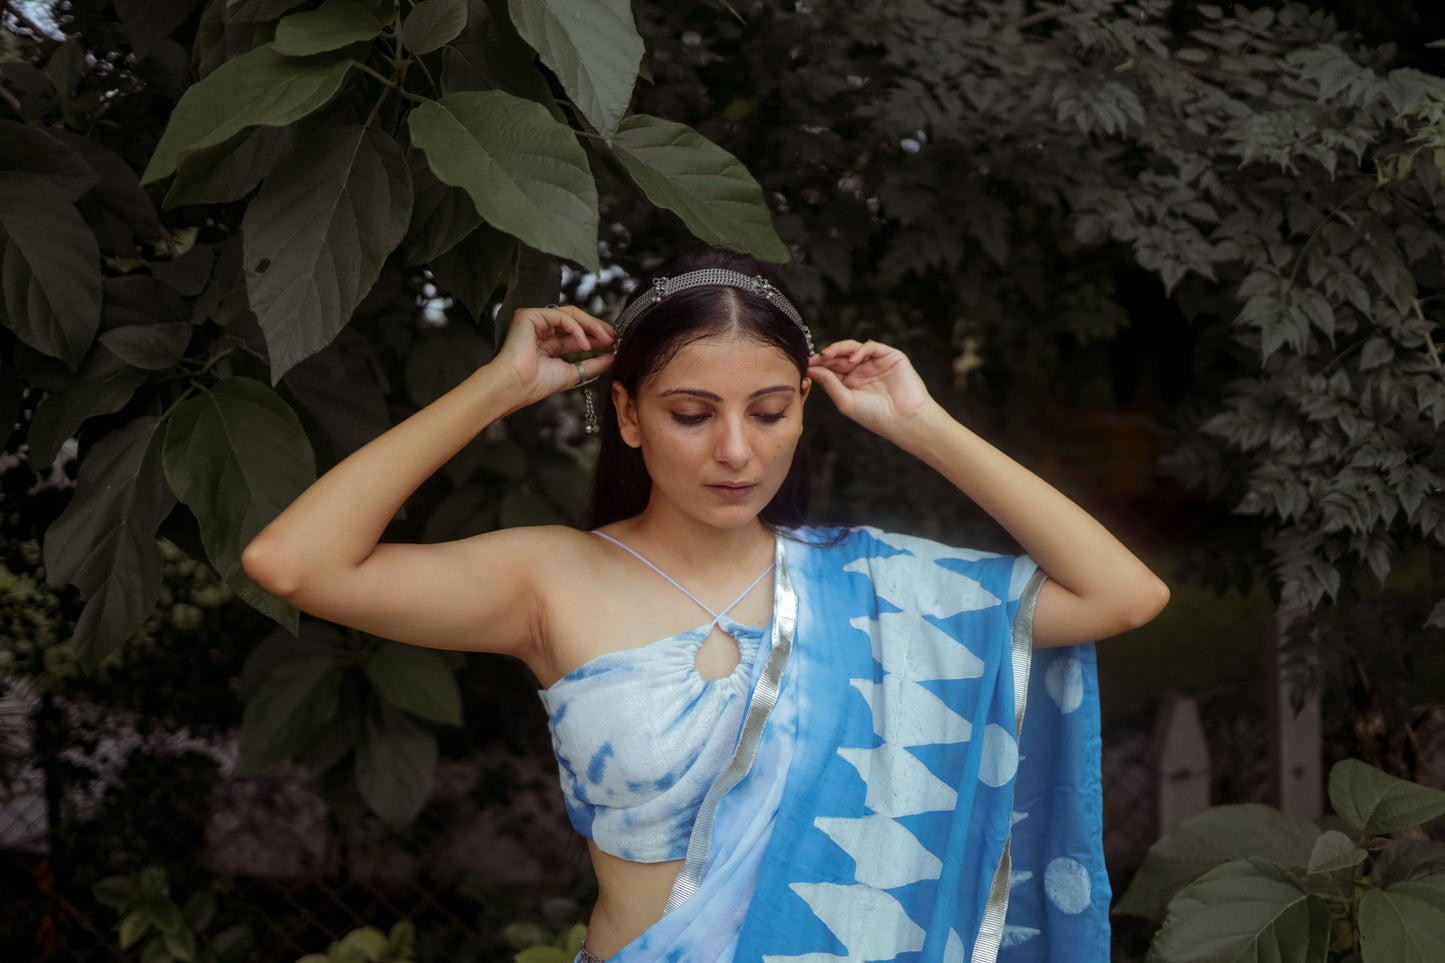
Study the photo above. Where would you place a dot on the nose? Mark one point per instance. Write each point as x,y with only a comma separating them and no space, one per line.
732,445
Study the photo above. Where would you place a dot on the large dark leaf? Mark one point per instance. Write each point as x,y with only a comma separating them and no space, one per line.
152,347
441,216
148,22
1243,913
136,299
1403,924
441,358
262,87
472,271
104,543
1382,804
236,456
1215,836
535,280
395,764
491,55
525,172
681,170
416,680
220,37
331,26
103,386
432,24
593,48
297,698
257,11
31,154
116,206
49,269
230,170
317,234
337,389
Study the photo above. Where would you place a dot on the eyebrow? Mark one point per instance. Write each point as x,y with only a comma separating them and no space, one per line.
709,396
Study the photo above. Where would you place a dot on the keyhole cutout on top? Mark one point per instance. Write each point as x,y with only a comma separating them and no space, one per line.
718,655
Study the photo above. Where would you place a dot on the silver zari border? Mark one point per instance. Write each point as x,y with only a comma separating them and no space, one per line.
765,696
990,929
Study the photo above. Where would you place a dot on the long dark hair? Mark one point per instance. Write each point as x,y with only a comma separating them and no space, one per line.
621,486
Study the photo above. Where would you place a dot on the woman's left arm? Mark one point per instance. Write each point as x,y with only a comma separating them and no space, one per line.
1096,588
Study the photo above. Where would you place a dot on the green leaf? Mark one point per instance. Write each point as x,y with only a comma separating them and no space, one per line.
442,358
441,216
367,943
525,172
416,680
260,88
104,543
114,891
149,22
339,392
317,234
104,386
182,944
1245,913
593,48
432,24
297,698
684,172
29,155
328,745
1216,836
1410,860
1403,924
535,279
149,346
331,26
1379,803
257,11
1334,850
230,170
200,910
395,765
490,54
49,269
132,927
472,270
236,456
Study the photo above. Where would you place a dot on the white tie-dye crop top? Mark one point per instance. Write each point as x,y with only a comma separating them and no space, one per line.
640,736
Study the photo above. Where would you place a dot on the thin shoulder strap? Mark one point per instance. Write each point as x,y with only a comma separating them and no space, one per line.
677,585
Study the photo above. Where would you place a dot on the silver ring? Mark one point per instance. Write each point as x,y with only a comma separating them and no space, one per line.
581,374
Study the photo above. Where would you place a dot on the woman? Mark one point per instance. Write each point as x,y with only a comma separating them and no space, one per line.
723,742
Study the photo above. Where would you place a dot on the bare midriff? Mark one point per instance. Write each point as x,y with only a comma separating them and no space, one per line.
630,898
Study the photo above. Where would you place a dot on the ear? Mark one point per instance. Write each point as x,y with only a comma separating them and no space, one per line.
805,387
626,416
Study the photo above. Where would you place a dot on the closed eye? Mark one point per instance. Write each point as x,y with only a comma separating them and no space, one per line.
771,416
689,419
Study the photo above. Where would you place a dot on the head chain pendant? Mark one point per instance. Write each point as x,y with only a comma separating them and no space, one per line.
707,277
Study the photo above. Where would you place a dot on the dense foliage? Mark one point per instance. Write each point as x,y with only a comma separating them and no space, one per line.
241,237
1251,882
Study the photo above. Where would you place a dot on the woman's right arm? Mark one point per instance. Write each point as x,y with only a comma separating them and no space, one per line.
322,554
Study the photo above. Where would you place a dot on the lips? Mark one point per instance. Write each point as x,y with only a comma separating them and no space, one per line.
733,491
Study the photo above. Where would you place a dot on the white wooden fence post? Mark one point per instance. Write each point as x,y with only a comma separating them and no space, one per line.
1295,767
1181,761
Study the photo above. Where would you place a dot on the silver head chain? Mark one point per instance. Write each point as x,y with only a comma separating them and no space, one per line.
707,277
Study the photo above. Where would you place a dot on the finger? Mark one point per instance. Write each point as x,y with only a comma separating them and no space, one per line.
838,348
593,367
597,328
832,386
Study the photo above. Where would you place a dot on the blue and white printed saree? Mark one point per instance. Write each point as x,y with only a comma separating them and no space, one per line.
883,805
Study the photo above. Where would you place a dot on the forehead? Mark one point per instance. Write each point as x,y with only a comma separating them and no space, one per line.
726,365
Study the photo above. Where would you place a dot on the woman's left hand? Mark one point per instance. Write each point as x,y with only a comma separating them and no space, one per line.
871,383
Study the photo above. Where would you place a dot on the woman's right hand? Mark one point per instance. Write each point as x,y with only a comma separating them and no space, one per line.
536,341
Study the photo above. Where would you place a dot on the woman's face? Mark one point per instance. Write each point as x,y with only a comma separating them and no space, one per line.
717,427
